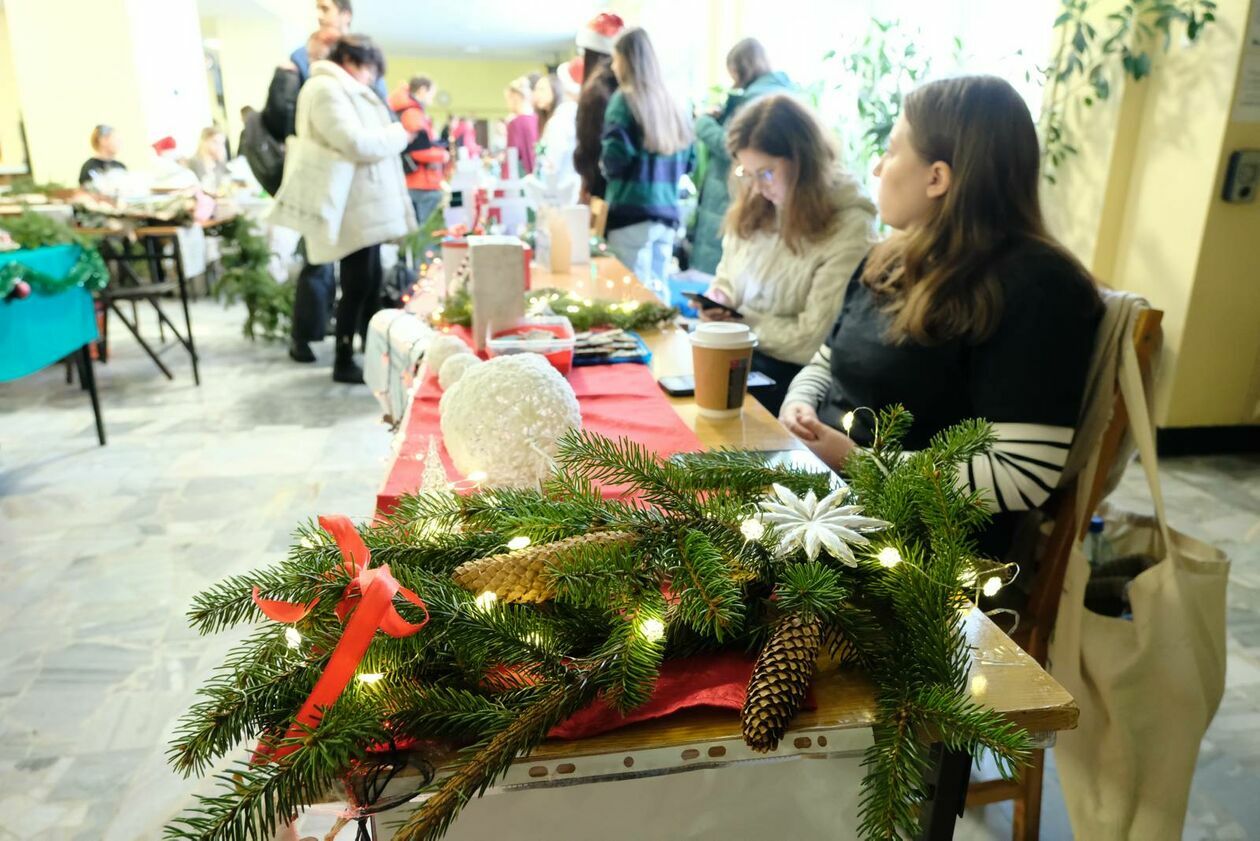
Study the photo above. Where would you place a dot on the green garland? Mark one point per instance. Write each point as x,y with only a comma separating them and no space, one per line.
601,625
33,230
584,313
88,271
268,304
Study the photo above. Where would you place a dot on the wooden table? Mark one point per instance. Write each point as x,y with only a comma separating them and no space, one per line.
1002,676
755,429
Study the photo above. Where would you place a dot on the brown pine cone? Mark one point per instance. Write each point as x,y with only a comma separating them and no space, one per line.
521,576
780,680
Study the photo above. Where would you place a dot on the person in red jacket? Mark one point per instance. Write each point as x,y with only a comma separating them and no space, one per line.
424,182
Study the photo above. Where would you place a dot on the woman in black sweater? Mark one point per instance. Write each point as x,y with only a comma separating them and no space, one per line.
970,309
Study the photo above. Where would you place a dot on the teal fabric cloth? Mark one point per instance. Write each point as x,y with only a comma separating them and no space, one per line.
39,330
706,251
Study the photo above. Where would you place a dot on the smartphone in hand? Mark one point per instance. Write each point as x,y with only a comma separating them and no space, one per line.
704,302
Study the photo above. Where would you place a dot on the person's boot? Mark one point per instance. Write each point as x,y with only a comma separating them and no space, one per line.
301,351
344,369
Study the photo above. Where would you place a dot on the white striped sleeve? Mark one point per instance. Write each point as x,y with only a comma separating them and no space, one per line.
1023,467
811,384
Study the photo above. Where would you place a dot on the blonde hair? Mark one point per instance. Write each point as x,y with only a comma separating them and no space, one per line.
665,127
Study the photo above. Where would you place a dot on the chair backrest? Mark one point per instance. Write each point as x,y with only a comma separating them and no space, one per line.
1037,621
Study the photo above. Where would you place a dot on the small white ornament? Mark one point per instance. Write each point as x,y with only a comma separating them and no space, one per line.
454,367
433,477
813,524
505,416
441,348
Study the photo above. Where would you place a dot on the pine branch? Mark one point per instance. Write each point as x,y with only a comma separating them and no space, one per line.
811,590
631,657
963,725
491,760
426,711
257,798
709,599
626,462
891,791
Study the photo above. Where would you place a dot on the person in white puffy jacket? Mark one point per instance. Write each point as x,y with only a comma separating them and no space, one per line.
554,181
339,110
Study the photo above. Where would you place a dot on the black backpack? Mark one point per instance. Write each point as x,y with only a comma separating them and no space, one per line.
263,152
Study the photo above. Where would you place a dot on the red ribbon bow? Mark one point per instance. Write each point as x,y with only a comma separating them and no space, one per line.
367,603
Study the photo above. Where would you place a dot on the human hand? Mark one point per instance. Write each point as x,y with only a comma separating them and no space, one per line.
715,314
794,415
830,445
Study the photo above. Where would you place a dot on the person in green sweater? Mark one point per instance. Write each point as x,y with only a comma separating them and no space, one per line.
646,148
751,74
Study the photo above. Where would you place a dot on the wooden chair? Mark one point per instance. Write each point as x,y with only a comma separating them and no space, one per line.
1037,620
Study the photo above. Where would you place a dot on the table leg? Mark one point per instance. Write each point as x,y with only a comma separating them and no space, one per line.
947,780
88,376
183,297
157,360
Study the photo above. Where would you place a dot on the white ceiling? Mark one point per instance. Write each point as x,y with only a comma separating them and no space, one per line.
488,28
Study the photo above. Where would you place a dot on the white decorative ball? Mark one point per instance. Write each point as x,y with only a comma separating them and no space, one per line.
442,348
505,416
454,367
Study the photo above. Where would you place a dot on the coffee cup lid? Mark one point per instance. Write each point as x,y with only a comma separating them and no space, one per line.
723,334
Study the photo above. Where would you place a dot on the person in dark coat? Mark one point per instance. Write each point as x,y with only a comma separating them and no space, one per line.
750,71
598,84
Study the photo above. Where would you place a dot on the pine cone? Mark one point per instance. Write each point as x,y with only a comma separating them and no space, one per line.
780,680
521,576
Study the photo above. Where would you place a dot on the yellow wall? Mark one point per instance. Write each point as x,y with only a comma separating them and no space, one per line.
11,151
1141,206
475,85
249,51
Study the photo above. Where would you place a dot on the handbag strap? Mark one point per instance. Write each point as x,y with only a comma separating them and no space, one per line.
1144,434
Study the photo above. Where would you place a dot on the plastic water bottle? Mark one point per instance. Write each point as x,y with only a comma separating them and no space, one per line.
1097,547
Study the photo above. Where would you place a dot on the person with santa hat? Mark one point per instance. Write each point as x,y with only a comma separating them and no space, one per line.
598,84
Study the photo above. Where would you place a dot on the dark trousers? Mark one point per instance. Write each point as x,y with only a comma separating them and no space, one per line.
360,291
313,302
781,372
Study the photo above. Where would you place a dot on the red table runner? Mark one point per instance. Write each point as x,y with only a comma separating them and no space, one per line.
617,401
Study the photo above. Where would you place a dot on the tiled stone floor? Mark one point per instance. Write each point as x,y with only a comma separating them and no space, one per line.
102,548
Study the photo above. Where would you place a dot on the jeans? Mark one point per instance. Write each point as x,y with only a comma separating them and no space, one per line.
645,249
425,202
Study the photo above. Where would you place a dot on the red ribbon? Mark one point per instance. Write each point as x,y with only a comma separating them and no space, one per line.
367,603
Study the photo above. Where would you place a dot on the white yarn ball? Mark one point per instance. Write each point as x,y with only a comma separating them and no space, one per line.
505,416
454,367
442,348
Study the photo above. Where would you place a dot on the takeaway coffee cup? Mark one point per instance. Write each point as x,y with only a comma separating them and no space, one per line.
721,356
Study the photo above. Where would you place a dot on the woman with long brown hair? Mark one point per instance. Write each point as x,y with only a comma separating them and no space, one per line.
969,310
647,148
797,228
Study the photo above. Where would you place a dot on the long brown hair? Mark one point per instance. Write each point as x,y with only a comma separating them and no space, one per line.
747,61
665,127
938,281
781,127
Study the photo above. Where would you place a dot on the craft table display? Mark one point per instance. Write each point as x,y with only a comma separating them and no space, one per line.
56,320
635,583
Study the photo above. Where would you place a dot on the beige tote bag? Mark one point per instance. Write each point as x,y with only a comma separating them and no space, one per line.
1147,688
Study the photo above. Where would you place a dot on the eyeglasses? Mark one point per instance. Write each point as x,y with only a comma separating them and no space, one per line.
764,175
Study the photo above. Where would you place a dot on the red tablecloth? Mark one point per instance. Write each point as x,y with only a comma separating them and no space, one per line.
618,401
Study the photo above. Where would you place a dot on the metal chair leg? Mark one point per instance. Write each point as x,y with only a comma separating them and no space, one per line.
88,376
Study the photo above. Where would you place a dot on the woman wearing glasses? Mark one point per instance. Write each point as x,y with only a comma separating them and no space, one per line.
797,228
